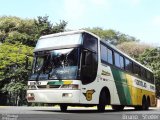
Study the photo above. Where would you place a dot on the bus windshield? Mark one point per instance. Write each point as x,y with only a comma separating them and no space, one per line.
56,64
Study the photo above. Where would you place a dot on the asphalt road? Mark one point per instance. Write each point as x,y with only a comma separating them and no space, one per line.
54,113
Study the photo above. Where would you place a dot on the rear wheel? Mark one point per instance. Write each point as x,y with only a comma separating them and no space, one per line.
144,106
102,102
63,108
118,107
138,107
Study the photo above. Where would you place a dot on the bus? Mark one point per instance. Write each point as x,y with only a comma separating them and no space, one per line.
78,68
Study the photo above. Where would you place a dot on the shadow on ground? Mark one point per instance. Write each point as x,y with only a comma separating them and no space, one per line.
90,111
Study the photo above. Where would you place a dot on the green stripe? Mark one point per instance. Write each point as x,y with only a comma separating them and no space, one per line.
121,86
55,83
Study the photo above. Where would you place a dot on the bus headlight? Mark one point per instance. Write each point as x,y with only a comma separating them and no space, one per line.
30,97
70,86
32,87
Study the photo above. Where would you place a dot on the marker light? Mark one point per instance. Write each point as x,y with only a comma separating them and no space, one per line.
67,95
70,86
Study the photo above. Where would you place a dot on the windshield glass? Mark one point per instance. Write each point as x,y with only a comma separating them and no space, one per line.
56,64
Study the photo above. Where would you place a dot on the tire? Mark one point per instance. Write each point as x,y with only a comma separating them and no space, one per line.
118,107
102,102
138,107
149,103
144,106
63,108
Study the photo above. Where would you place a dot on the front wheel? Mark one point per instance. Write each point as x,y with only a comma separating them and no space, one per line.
63,108
102,102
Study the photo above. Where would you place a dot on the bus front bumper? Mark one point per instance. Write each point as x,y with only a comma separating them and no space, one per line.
53,96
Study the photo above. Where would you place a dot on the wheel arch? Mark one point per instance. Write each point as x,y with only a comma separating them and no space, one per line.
148,100
107,92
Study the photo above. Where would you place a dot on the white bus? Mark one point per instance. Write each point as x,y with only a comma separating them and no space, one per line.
77,68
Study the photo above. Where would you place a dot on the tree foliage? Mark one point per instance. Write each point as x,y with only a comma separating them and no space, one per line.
112,36
151,59
18,37
27,31
133,49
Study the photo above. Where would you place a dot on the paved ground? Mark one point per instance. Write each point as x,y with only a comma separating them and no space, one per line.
54,113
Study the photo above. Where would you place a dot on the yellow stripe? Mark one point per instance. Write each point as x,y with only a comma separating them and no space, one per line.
131,89
67,82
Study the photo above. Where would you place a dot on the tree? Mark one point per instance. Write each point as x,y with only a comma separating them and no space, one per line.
45,27
133,49
111,36
13,69
17,39
27,31
151,59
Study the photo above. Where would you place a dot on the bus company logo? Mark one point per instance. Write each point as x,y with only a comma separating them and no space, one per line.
141,83
105,73
89,94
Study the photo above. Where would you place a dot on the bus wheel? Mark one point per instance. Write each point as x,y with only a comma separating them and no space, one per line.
63,108
144,106
118,107
102,102
138,108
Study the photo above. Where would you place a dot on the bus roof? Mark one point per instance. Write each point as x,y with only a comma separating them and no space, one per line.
67,33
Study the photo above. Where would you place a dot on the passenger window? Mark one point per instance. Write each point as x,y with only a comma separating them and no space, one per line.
110,56
136,69
121,62
106,54
103,53
148,76
152,78
128,65
117,59
143,73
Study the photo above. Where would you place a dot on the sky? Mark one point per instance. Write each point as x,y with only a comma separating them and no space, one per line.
137,18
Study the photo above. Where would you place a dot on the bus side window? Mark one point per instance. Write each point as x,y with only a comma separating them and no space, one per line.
128,65
143,73
136,69
106,55
117,60
121,62
103,53
109,56
152,78
149,77
88,73
89,58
